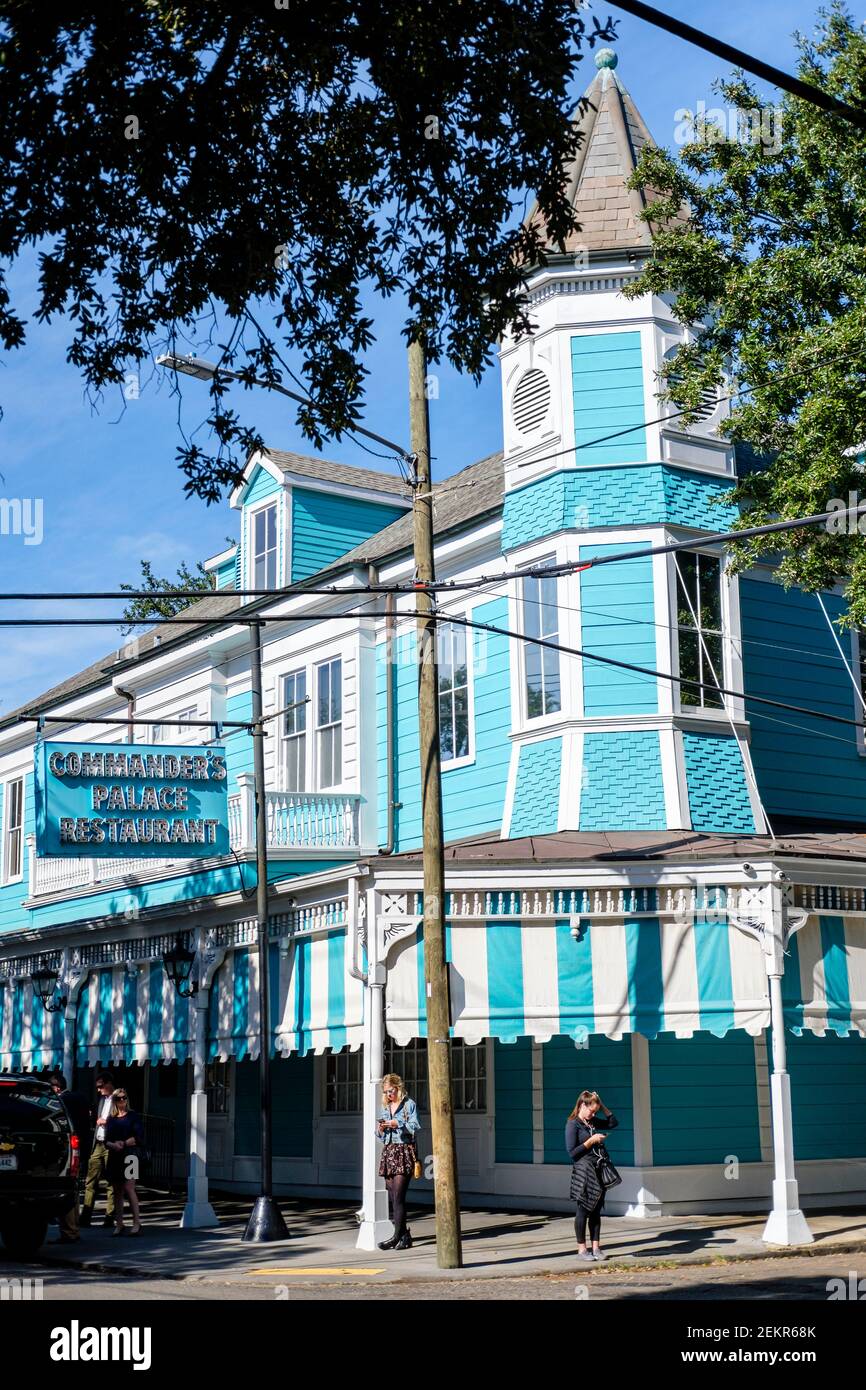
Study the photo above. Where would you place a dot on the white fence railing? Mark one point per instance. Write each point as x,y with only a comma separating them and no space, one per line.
295,820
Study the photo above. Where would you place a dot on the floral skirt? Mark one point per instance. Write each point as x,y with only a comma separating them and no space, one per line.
397,1159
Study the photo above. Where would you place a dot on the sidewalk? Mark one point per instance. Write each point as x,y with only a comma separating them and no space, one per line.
323,1235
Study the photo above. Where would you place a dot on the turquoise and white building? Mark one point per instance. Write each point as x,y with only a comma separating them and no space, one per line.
654,891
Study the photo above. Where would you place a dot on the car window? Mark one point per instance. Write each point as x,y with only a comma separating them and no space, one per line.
29,1109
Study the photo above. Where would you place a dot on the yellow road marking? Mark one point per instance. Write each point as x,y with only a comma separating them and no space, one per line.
348,1269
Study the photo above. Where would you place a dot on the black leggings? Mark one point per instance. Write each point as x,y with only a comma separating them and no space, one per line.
397,1187
593,1216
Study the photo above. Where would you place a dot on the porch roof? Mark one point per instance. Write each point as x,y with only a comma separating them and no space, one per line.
606,847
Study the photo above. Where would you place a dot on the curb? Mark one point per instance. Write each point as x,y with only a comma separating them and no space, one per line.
622,1264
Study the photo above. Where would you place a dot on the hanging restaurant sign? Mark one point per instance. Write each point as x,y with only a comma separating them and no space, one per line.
99,800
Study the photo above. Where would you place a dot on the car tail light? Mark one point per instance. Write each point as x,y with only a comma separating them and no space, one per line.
75,1162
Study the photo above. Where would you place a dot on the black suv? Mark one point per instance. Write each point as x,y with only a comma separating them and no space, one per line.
39,1158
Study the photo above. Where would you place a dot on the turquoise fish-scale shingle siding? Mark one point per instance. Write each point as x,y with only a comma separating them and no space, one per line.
536,794
621,785
589,498
716,779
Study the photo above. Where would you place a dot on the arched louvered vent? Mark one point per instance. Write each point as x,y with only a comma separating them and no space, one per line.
531,401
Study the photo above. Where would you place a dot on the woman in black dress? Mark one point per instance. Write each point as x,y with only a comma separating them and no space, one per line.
124,1139
583,1141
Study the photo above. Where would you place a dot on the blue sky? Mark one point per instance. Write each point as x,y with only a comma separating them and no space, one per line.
111,491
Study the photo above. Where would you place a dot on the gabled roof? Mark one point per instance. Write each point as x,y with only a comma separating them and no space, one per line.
613,133
323,470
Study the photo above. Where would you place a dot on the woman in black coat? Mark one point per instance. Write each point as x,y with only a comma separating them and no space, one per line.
124,1139
582,1139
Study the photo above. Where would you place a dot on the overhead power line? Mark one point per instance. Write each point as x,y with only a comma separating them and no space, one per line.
806,91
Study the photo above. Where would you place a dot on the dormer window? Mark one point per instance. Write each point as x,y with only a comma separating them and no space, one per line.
264,547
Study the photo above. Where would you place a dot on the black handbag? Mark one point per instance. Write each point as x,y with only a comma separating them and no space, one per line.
605,1171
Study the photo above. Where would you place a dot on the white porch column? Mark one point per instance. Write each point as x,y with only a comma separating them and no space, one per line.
646,1203
786,1224
375,1225
198,1211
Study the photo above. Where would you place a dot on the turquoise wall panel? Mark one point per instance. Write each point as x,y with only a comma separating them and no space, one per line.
536,794
473,796
617,620
718,791
588,498
325,526
607,385
828,1095
291,1107
621,786
704,1099
512,1080
225,576
603,1066
804,767
168,1096
238,742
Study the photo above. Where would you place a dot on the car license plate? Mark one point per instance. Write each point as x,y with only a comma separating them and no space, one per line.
8,1162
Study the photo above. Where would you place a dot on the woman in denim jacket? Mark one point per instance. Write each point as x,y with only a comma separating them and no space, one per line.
397,1126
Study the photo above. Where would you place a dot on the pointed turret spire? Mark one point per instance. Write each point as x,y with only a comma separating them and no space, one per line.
613,135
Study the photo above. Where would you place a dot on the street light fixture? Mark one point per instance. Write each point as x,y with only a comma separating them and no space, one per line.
44,981
178,963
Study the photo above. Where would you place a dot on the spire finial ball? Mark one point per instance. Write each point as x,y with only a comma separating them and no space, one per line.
606,58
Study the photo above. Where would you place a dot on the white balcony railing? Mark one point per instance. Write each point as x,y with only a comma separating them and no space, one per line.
295,821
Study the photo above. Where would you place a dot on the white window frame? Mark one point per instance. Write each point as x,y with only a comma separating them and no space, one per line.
173,732
533,721
448,765
319,729
700,710
252,513
9,877
287,738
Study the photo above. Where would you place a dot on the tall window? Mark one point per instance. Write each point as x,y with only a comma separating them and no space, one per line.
265,548
453,692
343,1076
329,722
13,823
295,730
541,664
699,597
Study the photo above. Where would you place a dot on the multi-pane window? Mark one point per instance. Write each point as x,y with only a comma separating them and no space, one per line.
264,538
13,824
453,692
295,730
699,620
173,732
329,722
217,1087
541,664
343,1076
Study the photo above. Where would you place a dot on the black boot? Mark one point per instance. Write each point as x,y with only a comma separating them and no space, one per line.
388,1244
405,1241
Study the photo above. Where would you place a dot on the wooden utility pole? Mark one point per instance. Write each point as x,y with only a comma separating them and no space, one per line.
445,1187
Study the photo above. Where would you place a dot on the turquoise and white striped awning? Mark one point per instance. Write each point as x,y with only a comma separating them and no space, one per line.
31,1039
645,975
315,1003
824,985
127,1017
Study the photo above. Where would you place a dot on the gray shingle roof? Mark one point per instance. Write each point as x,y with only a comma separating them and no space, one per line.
327,472
467,495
